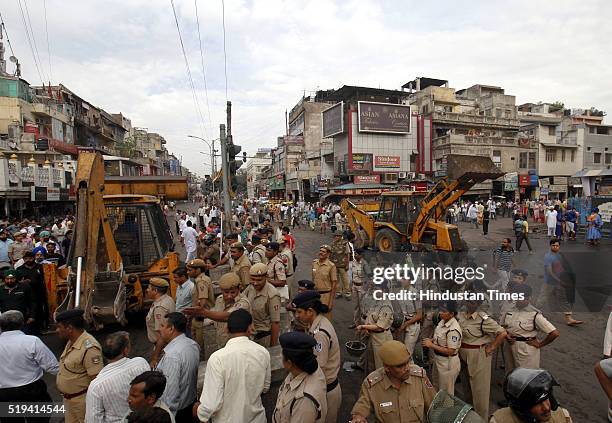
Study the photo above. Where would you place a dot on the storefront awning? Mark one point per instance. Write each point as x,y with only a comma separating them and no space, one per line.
585,173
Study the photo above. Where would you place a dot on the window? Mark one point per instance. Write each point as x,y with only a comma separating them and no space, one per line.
596,158
508,114
523,160
532,160
425,109
498,113
591,130
551,154
552,130
608,158
448,109
573,156
563,155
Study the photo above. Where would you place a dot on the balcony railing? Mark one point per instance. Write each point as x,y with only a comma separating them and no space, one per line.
475,119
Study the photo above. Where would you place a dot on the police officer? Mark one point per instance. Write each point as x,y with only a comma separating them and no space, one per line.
265,305
412,312
302,396
258,255
241,263
230,300
309,311
276,270
398,392
162,305
530,395
340,254
377,326
523,322
203,296
286,256
445,346
325,277
481,337
79,364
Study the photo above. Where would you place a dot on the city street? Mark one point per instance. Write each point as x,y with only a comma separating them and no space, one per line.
570,358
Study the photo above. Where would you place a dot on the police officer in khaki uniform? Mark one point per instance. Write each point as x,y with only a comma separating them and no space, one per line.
265,306
162,305
309,311
241,264
230,300
399,392
340,254
481,337
445,346
203,296
523,322
276,270
302,396
325,278
286,256
377,326
79,364
258,255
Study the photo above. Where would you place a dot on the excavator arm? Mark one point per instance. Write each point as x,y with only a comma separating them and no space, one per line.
357,217
96,271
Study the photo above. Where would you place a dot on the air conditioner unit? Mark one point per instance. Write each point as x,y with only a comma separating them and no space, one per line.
390,178
403,175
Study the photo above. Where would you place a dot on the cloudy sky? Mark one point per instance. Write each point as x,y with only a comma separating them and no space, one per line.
125,55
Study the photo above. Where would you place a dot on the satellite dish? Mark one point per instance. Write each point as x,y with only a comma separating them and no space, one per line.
13,59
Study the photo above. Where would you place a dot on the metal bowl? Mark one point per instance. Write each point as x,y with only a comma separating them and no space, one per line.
355,348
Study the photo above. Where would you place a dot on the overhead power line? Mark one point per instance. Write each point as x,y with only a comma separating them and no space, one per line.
195,2
48,44
224,47
8,41
25,5
191,84
25,27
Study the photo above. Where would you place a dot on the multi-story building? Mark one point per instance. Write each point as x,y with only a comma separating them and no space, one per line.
256,184
283,180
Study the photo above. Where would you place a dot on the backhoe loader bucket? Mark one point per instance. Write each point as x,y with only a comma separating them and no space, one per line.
461,167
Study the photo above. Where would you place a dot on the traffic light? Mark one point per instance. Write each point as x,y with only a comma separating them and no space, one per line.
233,165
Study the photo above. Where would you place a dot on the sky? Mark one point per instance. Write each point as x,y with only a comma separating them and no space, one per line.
125,56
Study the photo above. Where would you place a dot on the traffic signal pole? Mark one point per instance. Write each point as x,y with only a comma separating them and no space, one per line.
227,205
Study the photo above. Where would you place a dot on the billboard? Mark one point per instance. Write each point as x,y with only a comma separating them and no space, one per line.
387,162
362,161
384,117
333,120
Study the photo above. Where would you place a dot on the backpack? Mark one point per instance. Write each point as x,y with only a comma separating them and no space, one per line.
518,226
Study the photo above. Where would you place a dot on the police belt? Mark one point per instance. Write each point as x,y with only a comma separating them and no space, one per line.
523,339
70,396
472,347
444,354
324,292
331,386
262,334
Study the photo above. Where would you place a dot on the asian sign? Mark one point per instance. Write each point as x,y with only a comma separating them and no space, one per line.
384,117
388,162
333,120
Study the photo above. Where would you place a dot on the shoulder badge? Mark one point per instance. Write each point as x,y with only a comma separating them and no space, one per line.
319,347
417,371
374,378
483,315
87,344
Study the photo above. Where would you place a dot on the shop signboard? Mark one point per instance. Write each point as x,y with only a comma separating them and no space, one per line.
387,162
50,194
367,179
362,161
544,191
560,180
557,188
384,117
333,120
524,180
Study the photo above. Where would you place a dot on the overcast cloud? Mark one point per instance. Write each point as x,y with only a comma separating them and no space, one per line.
124,55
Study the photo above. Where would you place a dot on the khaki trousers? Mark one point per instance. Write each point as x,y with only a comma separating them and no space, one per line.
197,334
265,341
334,399
520,354
343,282
411,337
476,379
446,370
326,299
74,409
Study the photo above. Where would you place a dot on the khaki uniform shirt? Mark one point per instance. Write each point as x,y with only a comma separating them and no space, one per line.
276,270
448,334
526,322
478,328
241,268
203,294
287,257
358,272
327,349
324,275
505,415
79,364
302,399
160,307
409,404
18,249
221,327
265,306
212,251
340,253
258,255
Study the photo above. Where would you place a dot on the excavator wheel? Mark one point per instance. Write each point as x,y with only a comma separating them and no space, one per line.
387,241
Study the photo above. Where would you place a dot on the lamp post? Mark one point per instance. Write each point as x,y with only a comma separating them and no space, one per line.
211,146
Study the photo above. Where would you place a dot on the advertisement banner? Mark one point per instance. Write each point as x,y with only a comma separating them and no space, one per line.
362,161
524,180
333,120
387,162
384,117
367,179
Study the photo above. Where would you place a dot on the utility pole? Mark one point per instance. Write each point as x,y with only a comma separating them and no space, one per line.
227,205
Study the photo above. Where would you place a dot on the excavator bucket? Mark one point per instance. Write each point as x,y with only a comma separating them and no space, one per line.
461,167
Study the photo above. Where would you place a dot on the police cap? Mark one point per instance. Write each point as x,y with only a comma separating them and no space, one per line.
306,284
273,246
297,342
229,280
237,245
519,272
258,269
326,247
449,305
197,264
394,353
306,299
66,315
159,282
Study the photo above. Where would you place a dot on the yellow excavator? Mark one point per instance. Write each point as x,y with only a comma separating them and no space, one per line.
119,242
418,218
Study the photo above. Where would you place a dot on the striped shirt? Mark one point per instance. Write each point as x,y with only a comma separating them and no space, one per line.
180,366
107,394
504,258
184,295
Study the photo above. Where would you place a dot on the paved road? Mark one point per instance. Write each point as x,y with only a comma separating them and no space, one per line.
570,358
